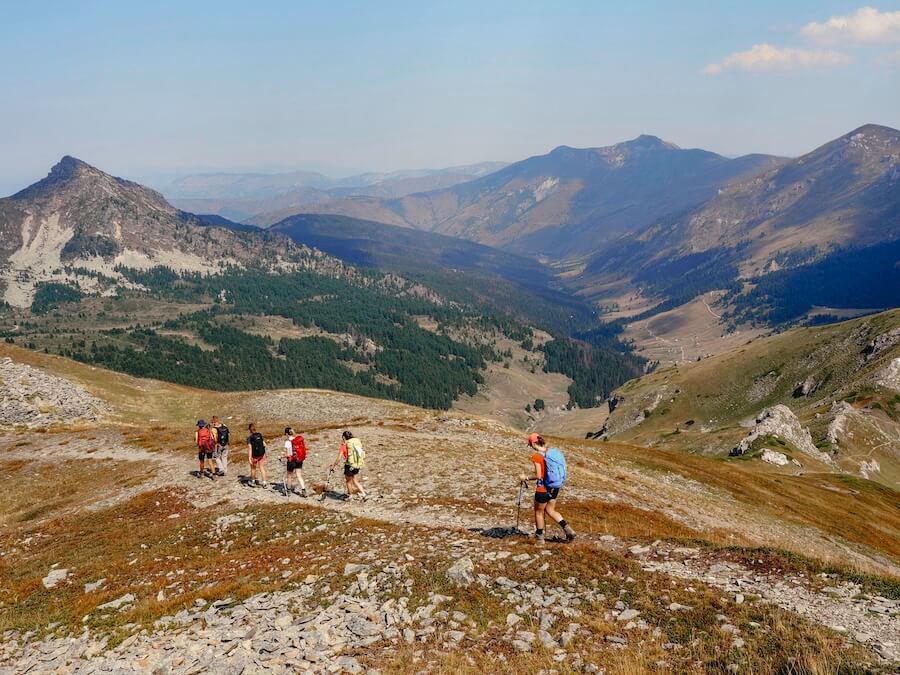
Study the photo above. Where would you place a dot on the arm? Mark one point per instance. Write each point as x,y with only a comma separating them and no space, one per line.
339,458
523,478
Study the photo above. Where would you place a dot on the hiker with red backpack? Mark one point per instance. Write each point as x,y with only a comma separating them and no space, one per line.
256,455
294,455
206,446
352,456
550,473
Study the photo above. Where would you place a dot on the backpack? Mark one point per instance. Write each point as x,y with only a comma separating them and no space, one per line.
556,473
222,434
257,444
356,456
205,439
299,446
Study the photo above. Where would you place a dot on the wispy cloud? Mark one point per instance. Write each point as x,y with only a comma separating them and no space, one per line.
866,26
766,57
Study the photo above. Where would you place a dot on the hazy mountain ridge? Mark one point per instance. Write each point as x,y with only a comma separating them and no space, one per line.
242,196
562,202
844,193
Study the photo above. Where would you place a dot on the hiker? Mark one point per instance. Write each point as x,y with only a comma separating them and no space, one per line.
256,455
294,455
220,431
206,446
352,455
549,475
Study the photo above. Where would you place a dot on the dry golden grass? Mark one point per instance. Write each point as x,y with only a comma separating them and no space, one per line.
35,489
860,511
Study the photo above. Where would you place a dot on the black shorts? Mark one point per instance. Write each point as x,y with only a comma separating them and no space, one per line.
293,465
349,470
203,454
545,497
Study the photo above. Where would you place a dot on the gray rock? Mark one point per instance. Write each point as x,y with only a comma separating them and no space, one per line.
462,572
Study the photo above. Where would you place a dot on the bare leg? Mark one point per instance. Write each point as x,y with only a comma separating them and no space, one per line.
262,469
552,512
539,515
299,474
358,486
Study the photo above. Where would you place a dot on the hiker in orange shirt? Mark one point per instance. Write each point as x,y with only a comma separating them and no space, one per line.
549,467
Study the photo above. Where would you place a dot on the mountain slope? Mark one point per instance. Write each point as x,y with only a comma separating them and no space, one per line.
842,382
79,216
844,194
561,203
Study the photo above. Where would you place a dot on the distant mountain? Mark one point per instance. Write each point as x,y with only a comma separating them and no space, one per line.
842,195
566,202
241,196
79,216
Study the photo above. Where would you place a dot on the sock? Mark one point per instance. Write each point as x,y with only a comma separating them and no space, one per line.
539,531
562,523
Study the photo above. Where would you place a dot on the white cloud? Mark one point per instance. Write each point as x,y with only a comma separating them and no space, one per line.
866,25
766,57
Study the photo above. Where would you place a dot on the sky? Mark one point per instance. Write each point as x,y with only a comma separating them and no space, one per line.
155,90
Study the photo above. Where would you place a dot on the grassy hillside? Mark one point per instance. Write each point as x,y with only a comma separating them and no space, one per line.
705,406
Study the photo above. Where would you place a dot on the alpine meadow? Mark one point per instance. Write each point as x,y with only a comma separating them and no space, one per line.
481,338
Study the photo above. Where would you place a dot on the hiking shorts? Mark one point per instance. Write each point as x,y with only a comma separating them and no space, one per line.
257,460
546,497
349,470
293,465
204,454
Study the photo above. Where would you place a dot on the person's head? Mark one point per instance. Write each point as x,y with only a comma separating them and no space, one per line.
536,441
288,431
201,424
215,420
347,435
252,428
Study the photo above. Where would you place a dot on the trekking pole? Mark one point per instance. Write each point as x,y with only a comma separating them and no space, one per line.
284,487
519,503
327,480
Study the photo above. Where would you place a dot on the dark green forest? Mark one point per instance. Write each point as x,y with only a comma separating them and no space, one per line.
864,278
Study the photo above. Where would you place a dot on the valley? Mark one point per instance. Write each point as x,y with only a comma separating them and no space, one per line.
730,412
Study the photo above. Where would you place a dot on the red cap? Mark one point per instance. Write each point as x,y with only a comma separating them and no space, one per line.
533,438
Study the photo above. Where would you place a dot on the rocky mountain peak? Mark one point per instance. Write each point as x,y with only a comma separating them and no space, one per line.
649,142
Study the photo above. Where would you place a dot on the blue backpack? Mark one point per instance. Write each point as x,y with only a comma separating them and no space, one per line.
556,474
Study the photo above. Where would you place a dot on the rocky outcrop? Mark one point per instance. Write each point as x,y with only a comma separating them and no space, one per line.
805,388
779,421
776,458
32,398
890,376
841,410
881,343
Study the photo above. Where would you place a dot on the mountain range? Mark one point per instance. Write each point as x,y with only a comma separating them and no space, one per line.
564,203
242,196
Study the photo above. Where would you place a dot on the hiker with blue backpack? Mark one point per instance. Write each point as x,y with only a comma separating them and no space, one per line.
549,476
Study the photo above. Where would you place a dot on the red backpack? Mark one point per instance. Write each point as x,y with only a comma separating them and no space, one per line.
205,439
299,446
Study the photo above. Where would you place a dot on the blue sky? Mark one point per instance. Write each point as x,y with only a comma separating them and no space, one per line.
150,90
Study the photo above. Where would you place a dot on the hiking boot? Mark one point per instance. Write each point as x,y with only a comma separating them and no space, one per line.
539,540
264,484
570,533
303,492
